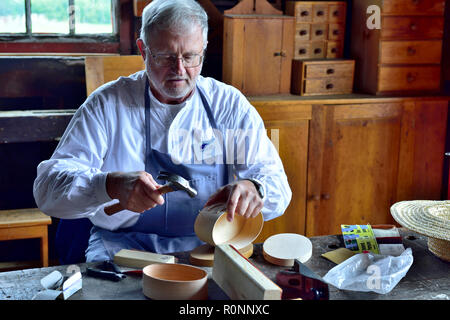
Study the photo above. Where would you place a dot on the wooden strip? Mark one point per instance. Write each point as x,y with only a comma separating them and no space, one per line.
23,218
367,111
287,47
16,233
140,259
315,166
240,279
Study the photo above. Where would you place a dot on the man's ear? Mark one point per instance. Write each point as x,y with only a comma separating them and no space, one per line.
141,46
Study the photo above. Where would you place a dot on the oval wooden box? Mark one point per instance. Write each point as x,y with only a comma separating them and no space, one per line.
212,226
171,281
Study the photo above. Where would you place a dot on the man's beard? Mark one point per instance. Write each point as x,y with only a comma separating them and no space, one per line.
173,92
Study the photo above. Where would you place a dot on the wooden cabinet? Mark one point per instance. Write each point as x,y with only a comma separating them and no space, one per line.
319,29
257,53
348,159
404,54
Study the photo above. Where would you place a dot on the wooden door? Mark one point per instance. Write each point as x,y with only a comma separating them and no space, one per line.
261,67
422,150
352,165
257,53
288,127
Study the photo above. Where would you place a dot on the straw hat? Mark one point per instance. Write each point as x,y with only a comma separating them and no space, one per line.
427,217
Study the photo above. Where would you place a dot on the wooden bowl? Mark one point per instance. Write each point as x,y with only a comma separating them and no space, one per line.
212,226
170,281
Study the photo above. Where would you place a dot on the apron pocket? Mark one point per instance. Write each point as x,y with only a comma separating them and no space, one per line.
182,210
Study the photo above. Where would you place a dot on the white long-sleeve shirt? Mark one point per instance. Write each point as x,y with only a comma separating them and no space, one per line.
107,133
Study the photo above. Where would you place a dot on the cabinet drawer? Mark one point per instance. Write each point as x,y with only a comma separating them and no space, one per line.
318,49
320,12
309,49
414,7
319,31
327,86
302,50
336,12
405,28
415,52
301,11
335,49
336,31
329,70
302,31
409,78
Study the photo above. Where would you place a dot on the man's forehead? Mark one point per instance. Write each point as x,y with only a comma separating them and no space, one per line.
176,33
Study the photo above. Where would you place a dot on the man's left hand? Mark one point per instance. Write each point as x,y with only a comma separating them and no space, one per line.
241,197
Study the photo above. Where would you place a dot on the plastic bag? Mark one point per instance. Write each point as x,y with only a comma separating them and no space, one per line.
370,272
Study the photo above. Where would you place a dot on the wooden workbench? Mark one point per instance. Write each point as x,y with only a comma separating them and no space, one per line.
427,279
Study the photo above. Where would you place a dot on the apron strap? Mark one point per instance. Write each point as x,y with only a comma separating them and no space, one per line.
149,158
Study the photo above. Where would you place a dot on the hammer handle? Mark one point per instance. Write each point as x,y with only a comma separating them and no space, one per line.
112,209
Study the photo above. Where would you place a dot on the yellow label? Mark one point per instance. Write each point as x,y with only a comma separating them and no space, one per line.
359,238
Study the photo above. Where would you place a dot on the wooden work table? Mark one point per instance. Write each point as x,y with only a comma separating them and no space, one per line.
427,279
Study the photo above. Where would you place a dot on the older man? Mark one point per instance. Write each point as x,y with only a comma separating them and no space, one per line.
166,118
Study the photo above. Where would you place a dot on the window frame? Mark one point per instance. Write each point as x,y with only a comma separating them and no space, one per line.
117,42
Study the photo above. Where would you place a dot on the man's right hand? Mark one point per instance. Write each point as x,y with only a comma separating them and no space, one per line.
136,191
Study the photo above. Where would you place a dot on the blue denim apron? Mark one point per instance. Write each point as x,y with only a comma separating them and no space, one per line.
169,227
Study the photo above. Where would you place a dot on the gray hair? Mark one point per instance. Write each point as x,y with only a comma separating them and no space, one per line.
176,15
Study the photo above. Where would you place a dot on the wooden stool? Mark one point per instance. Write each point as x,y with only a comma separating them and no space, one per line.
26,224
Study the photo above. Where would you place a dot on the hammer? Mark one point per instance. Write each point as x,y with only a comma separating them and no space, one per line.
175,183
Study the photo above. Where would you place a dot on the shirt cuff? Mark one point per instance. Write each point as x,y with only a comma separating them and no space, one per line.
99,182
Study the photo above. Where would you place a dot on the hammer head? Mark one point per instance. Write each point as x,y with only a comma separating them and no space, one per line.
177,182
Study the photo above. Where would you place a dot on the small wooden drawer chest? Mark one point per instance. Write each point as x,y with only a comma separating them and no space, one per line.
403,56
322,77
319,30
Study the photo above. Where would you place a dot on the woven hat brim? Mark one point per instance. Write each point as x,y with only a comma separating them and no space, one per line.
427,217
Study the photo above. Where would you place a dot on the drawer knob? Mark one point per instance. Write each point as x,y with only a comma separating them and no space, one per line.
336,13
413,26
319,32
317,50
329,86
304,13
326,196
314,197
302,51
302,32
333,50
320,13
336,32
410,77
279,54
411,51
330,71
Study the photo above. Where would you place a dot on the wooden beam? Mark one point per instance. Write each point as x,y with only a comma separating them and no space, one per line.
34,125
239,278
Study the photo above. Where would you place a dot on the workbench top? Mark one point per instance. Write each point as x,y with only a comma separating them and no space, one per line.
427,279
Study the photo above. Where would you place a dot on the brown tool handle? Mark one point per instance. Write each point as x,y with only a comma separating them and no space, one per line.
165,189
112,209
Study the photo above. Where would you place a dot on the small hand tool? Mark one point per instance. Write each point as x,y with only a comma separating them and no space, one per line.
175,183
301,282
106,270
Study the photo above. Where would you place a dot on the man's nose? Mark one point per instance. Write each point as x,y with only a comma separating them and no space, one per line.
178,66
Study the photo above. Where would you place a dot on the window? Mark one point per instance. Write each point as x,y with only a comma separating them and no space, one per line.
58,18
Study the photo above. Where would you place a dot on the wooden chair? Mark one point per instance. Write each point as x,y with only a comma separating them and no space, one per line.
26,224
102,69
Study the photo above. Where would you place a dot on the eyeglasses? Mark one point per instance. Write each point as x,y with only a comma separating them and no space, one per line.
190,60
